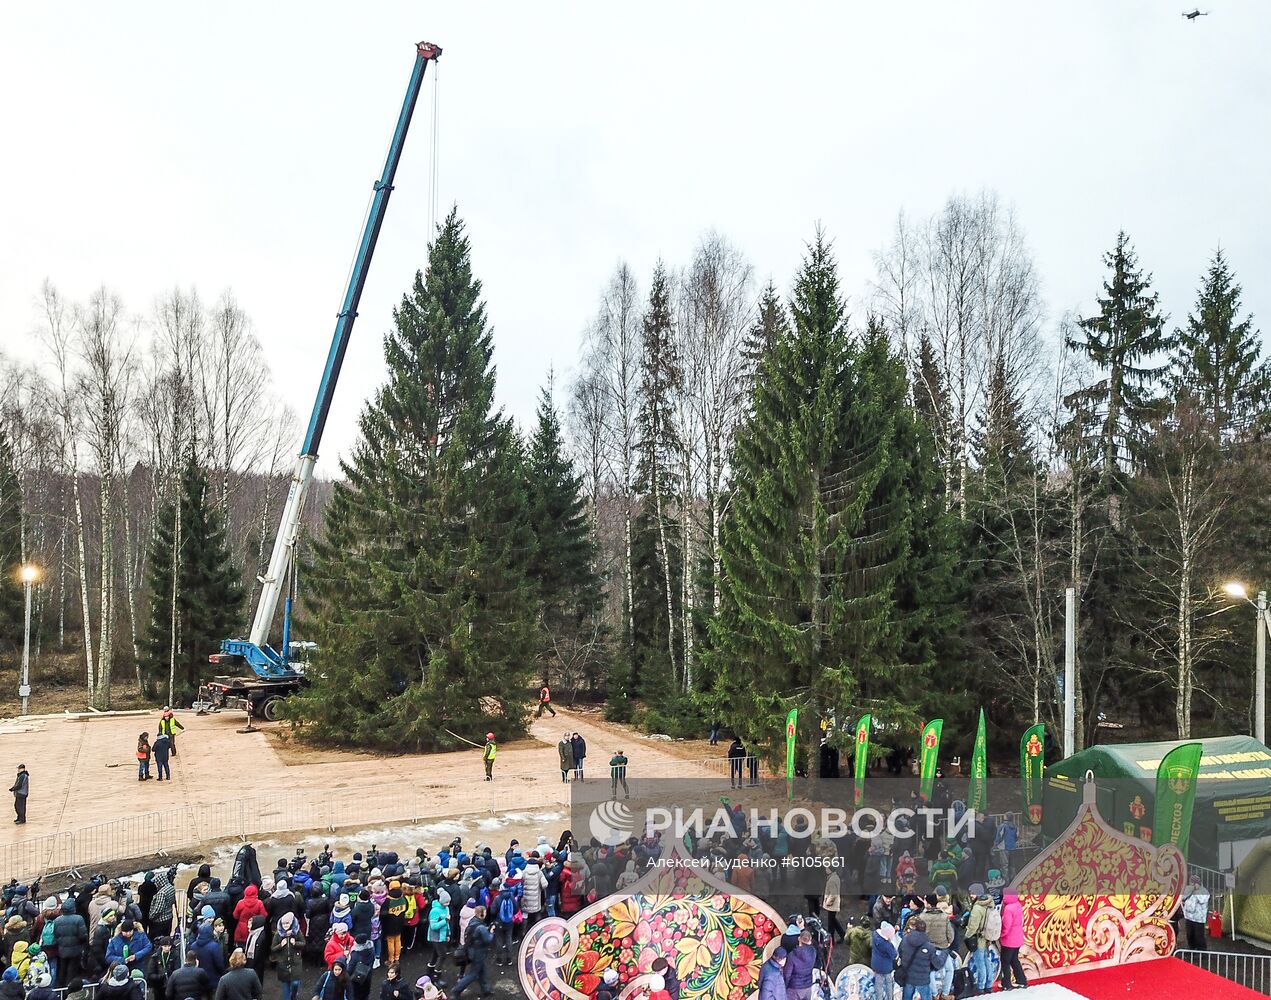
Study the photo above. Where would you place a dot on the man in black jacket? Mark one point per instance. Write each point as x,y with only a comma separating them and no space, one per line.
70,934
477,943
189,981
20,788
580,753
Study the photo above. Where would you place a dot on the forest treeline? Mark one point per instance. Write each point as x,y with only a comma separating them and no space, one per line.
746,496
135,450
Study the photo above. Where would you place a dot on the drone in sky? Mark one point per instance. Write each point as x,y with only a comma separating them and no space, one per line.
1194,13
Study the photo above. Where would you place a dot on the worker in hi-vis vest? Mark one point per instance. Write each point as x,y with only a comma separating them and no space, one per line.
545,702
488,755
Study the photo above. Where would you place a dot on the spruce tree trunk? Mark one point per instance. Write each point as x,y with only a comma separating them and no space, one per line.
666,568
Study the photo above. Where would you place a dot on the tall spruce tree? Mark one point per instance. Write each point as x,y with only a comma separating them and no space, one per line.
816,534
424,606
931,584
654,548
1218,358
770,325
12,606
563,567
1126,341
206,603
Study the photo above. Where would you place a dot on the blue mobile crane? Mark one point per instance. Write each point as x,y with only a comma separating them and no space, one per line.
273,673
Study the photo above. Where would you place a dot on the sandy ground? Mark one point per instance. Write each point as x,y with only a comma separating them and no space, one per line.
83,771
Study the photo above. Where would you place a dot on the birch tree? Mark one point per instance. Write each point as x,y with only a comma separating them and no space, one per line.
614,355
103,385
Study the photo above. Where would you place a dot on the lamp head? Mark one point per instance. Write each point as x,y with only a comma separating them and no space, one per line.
1237,590
30,573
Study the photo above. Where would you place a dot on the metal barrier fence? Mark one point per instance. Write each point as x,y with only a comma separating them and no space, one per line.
1250,971
1213,880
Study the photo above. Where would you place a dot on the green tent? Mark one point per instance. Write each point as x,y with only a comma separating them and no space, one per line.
1232,814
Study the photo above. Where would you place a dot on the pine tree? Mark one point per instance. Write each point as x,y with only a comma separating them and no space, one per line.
1218,357
424,605
1001,445
816,533
931,403
770,324
1125,341
658,445
208,592
12,600
563,567
931,586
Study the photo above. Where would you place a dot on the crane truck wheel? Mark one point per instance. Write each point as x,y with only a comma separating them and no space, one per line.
270,709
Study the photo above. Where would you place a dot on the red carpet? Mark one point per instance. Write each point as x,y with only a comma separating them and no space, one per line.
1162,979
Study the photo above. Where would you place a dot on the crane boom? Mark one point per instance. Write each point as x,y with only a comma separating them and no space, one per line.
264,660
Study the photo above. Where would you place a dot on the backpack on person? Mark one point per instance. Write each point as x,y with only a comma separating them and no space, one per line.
507,909
360,974
993,925
47,938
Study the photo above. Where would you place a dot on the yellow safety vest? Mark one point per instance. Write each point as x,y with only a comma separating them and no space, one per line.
490,751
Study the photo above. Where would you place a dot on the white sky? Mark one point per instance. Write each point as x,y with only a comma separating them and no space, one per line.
233,144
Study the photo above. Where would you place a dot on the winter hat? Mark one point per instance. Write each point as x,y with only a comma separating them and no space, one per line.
119,974
68,906
887,930
44,979
287,921
343,901
362,939
443,897
11,975
51,903
976,890
138,974
340,928
33,948
207,913
780,953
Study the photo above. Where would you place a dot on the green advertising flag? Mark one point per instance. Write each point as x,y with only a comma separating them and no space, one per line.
1175,795
792,728
1032,764
978,794
929,753
862,758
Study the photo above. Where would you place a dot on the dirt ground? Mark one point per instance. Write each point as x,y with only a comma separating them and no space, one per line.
83,769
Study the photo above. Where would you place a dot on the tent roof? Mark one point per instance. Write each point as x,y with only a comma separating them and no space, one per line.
1228,764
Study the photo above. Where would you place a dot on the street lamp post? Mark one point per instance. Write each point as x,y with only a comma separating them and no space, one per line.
1262,626
29,575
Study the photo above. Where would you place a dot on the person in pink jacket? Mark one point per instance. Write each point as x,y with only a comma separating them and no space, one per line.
1012,941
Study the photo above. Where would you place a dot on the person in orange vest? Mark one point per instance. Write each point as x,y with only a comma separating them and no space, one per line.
545,702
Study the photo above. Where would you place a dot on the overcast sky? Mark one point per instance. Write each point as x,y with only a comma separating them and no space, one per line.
233,145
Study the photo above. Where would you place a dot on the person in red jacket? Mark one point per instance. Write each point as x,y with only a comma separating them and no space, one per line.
338,945
249,906
1012,940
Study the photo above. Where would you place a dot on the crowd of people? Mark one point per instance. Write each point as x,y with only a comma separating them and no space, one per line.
342,928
